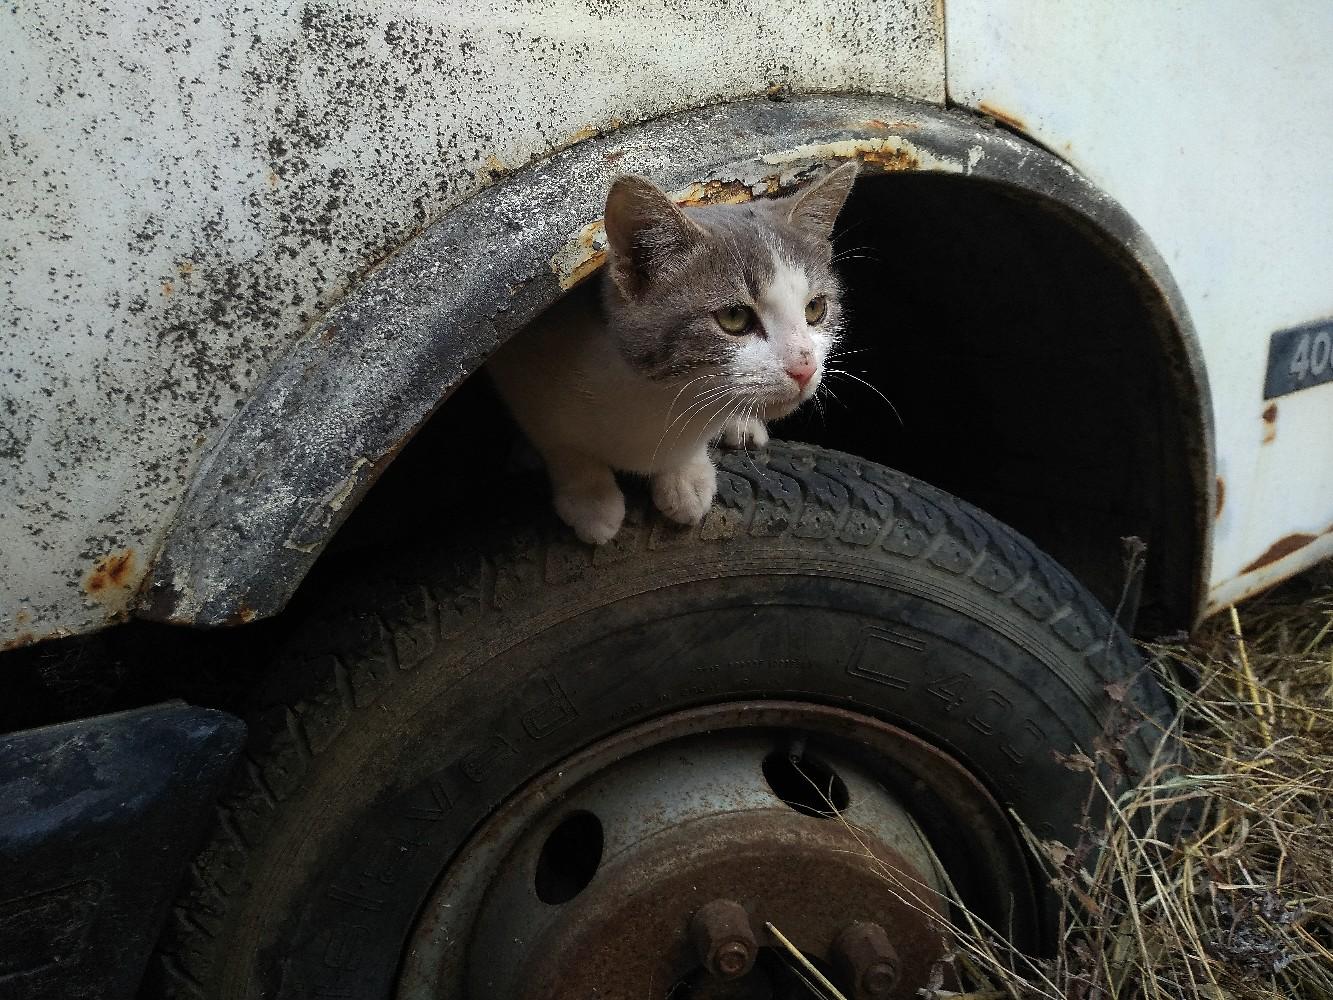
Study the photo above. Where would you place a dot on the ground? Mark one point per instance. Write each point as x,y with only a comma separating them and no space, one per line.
1235,902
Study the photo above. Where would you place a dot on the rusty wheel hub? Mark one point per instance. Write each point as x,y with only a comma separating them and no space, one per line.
651,865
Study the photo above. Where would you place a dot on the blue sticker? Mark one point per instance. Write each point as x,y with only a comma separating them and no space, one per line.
1299,358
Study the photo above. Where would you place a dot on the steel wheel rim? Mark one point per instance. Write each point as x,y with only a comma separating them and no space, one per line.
485,930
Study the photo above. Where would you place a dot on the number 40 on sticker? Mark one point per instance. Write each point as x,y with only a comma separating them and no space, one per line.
1299,358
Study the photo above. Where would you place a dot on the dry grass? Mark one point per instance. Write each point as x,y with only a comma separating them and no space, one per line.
1236,903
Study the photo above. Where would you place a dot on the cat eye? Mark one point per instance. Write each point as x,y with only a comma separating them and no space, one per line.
734,319
815,309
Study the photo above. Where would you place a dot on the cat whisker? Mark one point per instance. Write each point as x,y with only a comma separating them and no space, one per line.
854,252
731,413
751,407
846,230
676,397
695,407
835,355
872,388
705,399
706,393
750,413
828,390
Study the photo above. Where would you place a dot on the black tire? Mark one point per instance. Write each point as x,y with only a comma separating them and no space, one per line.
421,702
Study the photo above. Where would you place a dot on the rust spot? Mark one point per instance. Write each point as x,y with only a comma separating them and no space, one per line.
588,247
29,638
1270,423
587,132
615,156
185,268
19,641
167,288
1280,549
241,616
1221,497
495,166
888,159
328,333
272,180
111,572
875,125
1012,120
717,193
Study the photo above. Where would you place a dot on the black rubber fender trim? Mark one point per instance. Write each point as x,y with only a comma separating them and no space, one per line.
279,480
98,820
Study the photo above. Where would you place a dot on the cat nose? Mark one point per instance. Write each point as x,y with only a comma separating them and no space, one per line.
801,372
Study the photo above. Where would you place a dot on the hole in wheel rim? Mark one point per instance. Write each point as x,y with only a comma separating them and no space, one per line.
807,785
569,858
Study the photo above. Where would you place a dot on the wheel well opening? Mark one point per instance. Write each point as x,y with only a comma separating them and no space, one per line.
1032,367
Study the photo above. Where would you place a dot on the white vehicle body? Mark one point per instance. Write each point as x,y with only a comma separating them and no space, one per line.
1166,107
191,190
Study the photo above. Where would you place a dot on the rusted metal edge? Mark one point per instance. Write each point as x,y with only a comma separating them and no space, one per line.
1283,559
285,473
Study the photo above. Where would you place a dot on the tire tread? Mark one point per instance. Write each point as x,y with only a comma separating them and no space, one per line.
808,495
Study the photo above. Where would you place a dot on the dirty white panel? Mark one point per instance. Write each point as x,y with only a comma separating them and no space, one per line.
185,187
1209,122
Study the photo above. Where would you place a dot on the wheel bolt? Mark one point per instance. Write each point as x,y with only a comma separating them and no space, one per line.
867,959
724,939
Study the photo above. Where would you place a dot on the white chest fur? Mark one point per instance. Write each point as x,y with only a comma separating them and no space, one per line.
569,388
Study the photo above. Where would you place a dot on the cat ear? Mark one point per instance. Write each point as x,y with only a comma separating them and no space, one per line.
646,233
816,207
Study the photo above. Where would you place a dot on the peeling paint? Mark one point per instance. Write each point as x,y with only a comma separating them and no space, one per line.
880,155
314,524
584,252
344,490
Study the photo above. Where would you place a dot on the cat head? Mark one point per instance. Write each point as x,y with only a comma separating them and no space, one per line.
744,292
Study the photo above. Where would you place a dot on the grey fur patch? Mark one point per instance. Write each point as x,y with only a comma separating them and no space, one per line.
670,269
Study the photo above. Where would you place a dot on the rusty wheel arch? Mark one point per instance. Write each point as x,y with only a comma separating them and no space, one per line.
281,478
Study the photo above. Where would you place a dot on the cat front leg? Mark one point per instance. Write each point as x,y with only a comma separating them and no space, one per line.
587,497
749,432
684,493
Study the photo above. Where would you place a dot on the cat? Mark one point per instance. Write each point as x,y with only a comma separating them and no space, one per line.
713,321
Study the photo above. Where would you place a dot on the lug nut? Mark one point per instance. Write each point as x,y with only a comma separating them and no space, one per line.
724,939
867,959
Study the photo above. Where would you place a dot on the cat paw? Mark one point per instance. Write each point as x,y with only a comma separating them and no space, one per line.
595,518
686,493
747,433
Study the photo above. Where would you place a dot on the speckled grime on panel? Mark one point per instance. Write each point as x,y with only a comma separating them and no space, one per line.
189,187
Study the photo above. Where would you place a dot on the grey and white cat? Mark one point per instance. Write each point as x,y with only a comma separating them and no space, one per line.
713,321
